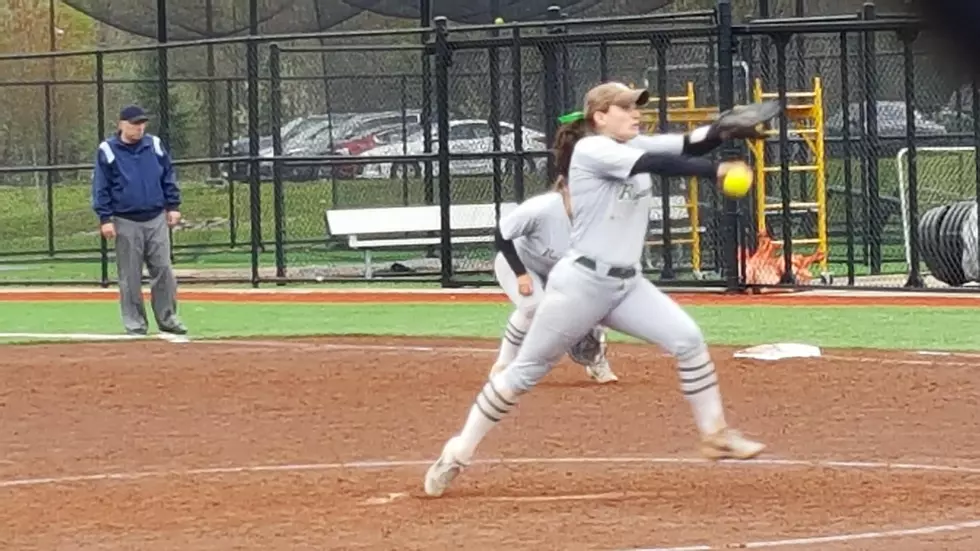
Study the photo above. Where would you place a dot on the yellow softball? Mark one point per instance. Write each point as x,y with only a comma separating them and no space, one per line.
737,182
499,21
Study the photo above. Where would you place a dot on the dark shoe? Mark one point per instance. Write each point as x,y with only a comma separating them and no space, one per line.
136,332
177,329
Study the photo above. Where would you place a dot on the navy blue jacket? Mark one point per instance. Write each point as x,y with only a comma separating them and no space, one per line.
134,181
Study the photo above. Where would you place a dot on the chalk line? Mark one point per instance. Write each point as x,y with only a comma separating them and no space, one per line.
95,337
832,538
395,496
73,336
391,464
440,349
437,349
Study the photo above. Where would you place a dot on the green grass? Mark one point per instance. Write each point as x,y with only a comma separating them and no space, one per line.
13,269
207,208
881,327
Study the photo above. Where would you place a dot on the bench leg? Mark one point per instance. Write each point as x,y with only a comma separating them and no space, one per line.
367,264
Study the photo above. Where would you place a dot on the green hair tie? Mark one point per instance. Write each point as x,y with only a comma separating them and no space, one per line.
571,117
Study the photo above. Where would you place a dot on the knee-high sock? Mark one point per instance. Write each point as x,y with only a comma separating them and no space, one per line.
517,326
699,382
491,405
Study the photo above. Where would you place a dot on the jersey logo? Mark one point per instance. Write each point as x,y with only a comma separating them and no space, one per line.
628,192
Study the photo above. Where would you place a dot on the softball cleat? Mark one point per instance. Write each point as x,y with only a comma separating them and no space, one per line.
442,473
730,444
601,373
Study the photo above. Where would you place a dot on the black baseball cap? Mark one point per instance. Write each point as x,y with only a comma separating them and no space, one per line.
134,114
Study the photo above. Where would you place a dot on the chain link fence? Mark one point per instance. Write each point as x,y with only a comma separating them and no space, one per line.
356,117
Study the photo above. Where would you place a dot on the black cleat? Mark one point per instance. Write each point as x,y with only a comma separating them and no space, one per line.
177,329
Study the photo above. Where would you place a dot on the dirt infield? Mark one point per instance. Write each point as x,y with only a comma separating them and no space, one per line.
317,444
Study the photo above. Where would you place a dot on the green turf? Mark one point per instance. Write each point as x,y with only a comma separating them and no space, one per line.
880,327
90,270
209,209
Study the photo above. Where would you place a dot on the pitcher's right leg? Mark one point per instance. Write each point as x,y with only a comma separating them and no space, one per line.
570,308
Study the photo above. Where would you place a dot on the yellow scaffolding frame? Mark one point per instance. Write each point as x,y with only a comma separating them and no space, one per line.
686,111
805,118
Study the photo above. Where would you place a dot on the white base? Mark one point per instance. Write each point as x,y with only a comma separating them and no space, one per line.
779,351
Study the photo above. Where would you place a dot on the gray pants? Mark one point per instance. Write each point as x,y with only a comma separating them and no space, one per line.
149,242
577,299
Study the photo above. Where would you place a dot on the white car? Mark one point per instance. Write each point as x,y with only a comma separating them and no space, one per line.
465,136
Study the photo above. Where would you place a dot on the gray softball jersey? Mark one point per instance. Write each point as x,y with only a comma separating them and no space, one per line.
541,231
610,208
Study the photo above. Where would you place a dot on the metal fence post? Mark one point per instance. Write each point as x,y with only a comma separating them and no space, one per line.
230,137
255,192
403,87
163,89
845,92
567,83
49,140
788,277
100,131
907,37
443,61
425,20
493,57
660,45
517,105
765,45
726,100
275,105
552,82
870,109
975,110
163,70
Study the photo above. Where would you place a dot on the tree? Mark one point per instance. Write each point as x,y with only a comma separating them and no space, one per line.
147,95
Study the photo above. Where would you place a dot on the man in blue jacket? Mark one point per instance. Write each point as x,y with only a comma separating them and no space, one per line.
135,195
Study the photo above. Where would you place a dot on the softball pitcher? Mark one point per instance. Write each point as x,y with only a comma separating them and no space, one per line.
532,238
599,280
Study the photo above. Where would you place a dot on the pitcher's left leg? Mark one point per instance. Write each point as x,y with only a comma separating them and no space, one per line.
569,308
648,314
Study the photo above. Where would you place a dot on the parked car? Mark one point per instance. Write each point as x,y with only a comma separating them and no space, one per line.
957,114
891,121
394,134
465,136
355,133
294,129
891,128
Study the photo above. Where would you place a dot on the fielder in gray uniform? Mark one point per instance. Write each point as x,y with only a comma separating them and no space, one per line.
536,235
598,281
136,197
532,239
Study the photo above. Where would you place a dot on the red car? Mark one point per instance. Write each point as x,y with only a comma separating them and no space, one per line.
357,146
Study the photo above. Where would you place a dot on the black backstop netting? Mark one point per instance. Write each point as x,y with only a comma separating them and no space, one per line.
195,19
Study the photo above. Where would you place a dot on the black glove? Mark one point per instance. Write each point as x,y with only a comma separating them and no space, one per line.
744,122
